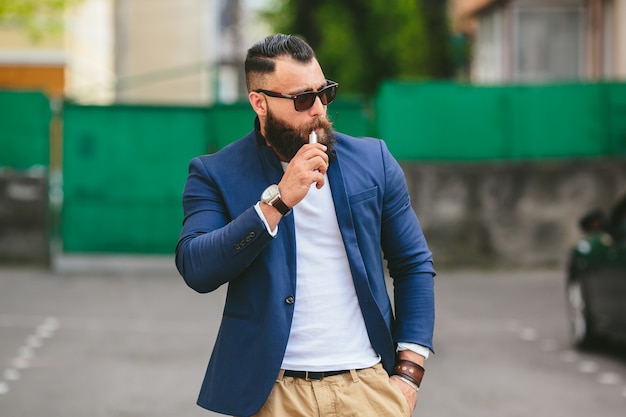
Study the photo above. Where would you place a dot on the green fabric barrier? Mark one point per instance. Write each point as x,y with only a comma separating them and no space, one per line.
451,122
124,171
124,166
24,129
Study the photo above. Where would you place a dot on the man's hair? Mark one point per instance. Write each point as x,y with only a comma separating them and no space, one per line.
260,59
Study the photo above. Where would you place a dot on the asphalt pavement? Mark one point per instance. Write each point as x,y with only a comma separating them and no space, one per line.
123,336
103,336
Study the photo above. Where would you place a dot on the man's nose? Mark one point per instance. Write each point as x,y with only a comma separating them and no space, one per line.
317,108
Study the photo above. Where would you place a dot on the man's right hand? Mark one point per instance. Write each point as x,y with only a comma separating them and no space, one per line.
307,167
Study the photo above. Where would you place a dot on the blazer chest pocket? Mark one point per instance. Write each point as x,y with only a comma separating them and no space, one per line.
362,196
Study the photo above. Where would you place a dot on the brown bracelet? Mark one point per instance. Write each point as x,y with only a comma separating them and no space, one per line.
410,370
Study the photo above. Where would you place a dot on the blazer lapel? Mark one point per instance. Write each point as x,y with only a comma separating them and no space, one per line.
346,225
340,199
376,325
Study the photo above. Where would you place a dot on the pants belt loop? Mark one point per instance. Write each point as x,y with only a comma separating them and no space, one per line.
281,375
355,375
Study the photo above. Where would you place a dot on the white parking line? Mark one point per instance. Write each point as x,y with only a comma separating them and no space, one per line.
528,334
588,367
609,378
585,366
26,352
11,374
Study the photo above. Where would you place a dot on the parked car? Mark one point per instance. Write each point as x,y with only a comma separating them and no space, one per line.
596,278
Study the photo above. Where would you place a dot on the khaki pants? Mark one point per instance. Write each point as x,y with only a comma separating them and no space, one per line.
362,393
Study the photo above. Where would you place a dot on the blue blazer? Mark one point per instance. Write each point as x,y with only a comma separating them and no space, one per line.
223,241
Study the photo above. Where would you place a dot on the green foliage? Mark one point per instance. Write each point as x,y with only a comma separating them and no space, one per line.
36,17
360,43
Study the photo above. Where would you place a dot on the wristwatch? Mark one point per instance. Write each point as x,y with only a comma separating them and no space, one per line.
271,196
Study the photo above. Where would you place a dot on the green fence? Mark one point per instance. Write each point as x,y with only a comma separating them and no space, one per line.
463,123
124,167
24,129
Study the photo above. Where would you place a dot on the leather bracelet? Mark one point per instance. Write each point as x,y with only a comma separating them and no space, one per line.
410,370
406,376
408,382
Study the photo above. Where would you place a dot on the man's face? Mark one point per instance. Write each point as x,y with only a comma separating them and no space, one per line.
284,128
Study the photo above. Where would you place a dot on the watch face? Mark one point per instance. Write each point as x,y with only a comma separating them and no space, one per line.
269,193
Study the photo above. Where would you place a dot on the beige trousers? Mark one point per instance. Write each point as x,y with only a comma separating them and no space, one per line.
362,393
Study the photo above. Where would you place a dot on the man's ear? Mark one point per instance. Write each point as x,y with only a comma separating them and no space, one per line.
258,103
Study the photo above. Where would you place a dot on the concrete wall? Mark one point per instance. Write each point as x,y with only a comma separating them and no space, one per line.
474,215
509,215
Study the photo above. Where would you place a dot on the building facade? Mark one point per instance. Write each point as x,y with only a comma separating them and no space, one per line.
187,52
535,41
184,52
31,64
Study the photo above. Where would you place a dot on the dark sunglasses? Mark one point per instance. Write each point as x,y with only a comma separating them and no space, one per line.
304,101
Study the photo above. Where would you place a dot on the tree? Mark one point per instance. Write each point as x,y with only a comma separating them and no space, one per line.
439,41
363,42
36,17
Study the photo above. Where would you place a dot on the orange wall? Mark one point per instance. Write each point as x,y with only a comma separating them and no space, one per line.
49,78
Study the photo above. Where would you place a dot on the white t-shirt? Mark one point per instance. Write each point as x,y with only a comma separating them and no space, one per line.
328,331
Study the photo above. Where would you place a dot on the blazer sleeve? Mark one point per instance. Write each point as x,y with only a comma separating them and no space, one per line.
409,260
214,248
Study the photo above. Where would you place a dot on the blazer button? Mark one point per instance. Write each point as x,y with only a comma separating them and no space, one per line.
290,299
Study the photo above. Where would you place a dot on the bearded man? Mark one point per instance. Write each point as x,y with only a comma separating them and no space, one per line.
297,229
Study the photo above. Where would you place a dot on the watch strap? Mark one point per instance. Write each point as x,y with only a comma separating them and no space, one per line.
281,207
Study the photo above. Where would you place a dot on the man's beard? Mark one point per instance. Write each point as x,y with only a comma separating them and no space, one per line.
287,140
